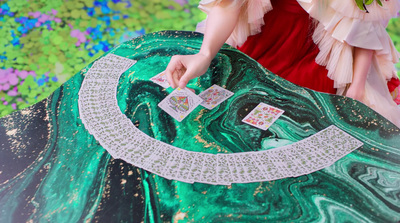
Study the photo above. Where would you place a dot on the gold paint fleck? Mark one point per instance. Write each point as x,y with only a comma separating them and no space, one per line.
180,216
11,132
259,190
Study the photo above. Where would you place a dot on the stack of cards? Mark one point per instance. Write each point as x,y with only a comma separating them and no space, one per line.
100,114
98,106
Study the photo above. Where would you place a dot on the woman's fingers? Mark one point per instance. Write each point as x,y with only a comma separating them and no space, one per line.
173,66
186,77
183,68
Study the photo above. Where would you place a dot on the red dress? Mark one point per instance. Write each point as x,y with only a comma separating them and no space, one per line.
286,48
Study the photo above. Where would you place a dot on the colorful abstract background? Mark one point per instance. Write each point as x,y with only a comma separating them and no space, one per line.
44,43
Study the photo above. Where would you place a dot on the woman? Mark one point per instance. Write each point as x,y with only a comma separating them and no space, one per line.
340,49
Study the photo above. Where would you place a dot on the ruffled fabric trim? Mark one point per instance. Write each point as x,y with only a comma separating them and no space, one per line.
343,26
376,12
340,29
251,18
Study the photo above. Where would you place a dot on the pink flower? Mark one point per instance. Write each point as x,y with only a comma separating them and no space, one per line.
35,14
79,35
12,93
10,77
5,87
13,79
4,75
23,74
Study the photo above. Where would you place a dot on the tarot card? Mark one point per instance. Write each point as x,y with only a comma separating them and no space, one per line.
269,165
185,165
209,172
337,142
252,171
148,156
307,162
115,61
224,176
285,161
100,72
214,96
161,79
139,145
160,158
180,103
149,152
236,168
298,155
171,168
196,167
263,116
318,151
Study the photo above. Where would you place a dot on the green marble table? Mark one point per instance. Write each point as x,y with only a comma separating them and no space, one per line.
53,170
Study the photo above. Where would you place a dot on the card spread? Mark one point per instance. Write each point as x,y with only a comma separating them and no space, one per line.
214,96
161,79
99,112
263,116
180,103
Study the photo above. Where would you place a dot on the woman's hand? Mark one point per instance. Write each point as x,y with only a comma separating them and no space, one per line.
221,21
183,68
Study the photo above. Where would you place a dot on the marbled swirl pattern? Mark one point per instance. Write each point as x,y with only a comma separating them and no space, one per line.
52,169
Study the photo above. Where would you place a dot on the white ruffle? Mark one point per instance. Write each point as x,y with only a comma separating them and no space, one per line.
343,26
251,18
375,11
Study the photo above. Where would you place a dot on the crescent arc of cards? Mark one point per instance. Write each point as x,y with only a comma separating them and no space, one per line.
117,134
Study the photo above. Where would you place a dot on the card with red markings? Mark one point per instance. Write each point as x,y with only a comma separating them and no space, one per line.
263,116
161,79
180,103
214,96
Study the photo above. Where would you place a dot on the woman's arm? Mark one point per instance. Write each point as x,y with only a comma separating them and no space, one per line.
361,65
221,22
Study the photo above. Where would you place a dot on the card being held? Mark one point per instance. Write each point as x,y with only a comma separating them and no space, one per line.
263,116
161,79
214,96
180,103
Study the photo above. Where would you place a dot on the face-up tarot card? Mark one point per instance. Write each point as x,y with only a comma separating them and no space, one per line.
161,79
263,116
180,103
214,96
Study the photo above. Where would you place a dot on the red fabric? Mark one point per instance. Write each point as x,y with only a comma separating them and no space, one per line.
393,84
285,47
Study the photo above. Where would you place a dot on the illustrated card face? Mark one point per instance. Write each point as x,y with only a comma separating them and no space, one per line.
180,103
161,79
263,116
214,96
